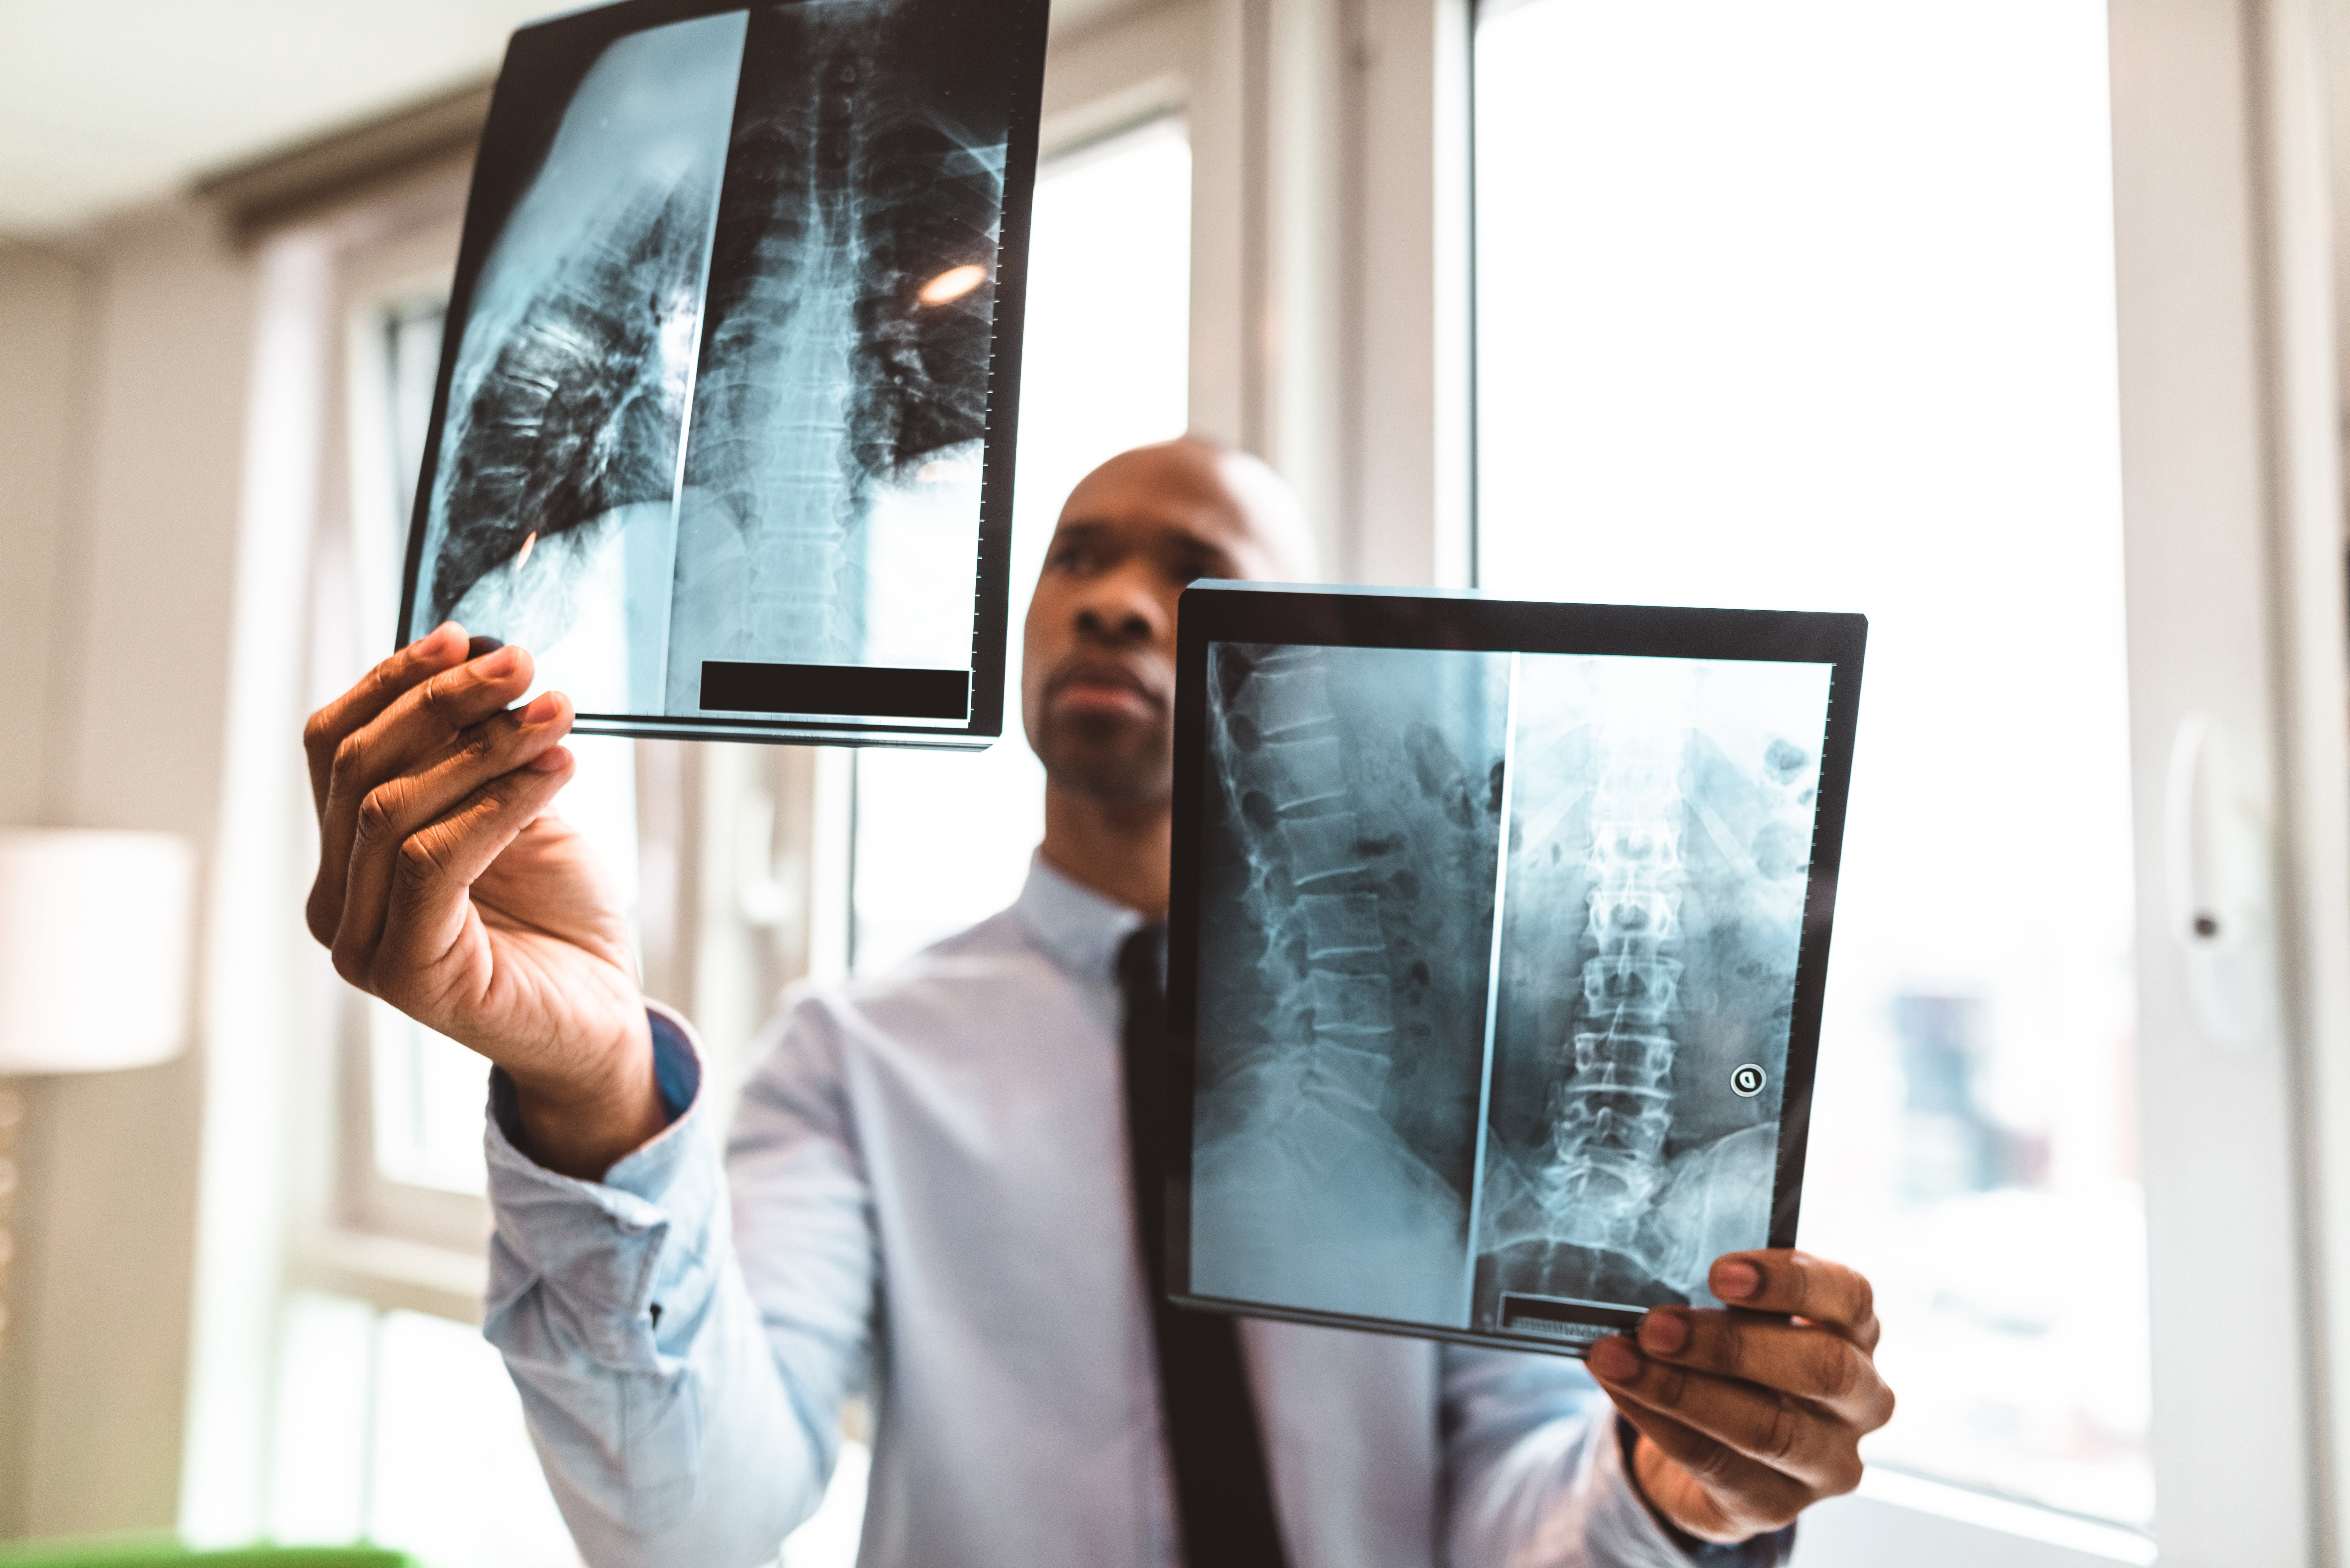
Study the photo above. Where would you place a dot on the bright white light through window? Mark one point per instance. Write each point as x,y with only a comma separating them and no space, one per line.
1810,306
944,840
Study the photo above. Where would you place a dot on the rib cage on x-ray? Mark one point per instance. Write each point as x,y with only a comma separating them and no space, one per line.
710,372
577,415
550,516
1355,1009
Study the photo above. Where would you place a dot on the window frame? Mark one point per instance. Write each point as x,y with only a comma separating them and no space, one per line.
2232,462
396,1245
2231,487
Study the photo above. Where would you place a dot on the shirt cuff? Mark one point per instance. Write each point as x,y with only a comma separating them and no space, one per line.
677,1074
1756,1552
628,1256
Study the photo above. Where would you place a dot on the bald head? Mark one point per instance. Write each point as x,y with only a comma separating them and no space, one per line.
1097,684
1267,531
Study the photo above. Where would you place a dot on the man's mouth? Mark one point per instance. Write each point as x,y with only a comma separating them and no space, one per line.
1093,687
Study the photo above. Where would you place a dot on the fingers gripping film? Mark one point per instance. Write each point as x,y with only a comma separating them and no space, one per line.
423,723
400,807
430,937
1783,1280
436,650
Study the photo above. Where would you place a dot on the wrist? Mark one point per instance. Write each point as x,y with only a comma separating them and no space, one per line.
582,1123
1641,1459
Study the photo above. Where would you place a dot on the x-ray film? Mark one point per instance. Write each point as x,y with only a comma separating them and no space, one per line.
723,428
1498,939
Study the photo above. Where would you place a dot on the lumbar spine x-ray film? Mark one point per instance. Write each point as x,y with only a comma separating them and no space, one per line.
1504,959
723,431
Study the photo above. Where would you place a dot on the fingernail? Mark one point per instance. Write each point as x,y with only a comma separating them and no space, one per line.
1615,1361
542,707
501,663
1735,1282
438,635
477,646
549,760
1664,1332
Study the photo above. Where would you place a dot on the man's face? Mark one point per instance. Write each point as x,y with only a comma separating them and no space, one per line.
1097,687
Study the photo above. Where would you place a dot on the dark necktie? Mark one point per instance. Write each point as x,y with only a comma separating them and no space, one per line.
1222,1493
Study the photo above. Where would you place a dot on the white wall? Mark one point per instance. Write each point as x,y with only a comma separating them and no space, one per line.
41,298
121,403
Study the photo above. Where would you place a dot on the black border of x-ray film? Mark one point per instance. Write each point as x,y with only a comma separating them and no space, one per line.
544,64
1301,616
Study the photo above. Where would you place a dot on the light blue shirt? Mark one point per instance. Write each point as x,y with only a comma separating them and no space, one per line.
925,1197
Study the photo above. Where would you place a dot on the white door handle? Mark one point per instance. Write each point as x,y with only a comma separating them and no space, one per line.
2215,874
2187,838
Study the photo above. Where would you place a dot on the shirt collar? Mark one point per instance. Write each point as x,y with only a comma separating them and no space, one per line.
1078,928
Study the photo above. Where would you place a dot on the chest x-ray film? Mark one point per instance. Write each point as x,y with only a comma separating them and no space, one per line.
725,422
1498,941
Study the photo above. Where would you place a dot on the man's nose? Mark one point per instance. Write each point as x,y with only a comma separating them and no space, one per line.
1121,608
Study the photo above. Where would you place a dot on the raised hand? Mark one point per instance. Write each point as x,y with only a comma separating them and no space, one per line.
1749,1416
443,888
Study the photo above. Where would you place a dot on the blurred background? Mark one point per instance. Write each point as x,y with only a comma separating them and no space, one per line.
2008,323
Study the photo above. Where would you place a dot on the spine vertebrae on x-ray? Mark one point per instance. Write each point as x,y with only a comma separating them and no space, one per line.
1615,1106
1319,914
829,371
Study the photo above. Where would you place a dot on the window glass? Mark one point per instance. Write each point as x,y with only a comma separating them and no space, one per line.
411,333
1810,306
943,840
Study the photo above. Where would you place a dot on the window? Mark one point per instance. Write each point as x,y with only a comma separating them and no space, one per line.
366,1394
942,841
411,329
399,1427
1775,308
424,1092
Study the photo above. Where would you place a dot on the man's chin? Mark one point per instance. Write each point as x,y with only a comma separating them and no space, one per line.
1113,772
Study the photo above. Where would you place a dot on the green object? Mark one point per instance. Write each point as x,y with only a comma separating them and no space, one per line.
145,1550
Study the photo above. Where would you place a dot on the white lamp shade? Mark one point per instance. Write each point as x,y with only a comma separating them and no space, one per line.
95,936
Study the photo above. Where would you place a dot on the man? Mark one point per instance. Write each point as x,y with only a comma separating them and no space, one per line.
929,1184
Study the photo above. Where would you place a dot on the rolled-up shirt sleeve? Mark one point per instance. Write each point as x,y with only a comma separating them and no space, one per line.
676,1419
1539,1479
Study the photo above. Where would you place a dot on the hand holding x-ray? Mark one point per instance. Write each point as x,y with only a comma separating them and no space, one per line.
1749,1416
445,888
1499,931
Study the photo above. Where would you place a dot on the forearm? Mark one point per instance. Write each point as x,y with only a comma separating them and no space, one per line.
658,1406
660,1452
582,1124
